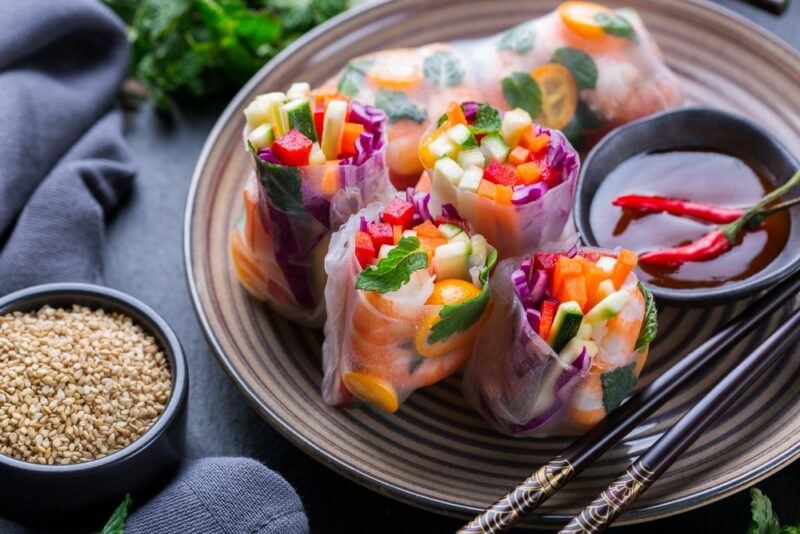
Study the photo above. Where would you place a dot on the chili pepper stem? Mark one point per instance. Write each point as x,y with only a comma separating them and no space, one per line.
759,211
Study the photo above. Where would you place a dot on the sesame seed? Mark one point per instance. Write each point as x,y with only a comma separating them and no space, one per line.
77,384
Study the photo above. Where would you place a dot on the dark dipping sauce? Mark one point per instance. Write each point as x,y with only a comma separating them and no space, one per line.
708,177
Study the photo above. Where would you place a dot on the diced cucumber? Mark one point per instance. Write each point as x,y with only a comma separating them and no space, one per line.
409,233
333,128
605,288
463,238
450,261
257,113
480,249
275,96
450,230
278,118
566,324
609,307
262,136
443,146
448,169
606,263
573,349
301,118
299,90
585,331
384,251
316,156
461,136
494,148
471,157
471,179
514,122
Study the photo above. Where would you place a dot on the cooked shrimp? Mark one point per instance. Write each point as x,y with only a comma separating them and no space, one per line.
617,343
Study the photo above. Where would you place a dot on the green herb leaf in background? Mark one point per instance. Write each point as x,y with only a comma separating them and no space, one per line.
397,106
581,64
521,91
395,269
455,318
650,324
518,39
353,76
617,383
198,48
764,520
614,24
443,69
487,119
116,523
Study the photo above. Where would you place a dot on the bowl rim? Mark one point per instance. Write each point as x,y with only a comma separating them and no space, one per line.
725,293
158,328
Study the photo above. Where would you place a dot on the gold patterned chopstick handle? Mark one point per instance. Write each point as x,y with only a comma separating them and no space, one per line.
519,502
614,500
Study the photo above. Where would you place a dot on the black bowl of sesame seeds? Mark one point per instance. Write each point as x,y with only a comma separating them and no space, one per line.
93,390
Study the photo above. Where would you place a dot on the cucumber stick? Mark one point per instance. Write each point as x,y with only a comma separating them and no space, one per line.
300,118
333,128
608,307
566,324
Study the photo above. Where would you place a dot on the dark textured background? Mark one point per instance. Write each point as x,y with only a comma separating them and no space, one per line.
144,257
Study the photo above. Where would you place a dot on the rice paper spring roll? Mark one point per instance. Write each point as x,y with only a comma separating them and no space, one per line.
406,296
583,68
567,339
513,180
318,158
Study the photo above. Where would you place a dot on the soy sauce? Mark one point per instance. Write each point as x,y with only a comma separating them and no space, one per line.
708,177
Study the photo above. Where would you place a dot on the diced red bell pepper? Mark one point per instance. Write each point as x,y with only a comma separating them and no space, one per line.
381,234
365,250
591,256
399,212
292,148
319,118
546,261
550,176
548,313
499,174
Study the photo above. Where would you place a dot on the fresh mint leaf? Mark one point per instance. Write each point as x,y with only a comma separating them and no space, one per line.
763,520
454,318
580,64
443,69
487,119
614,24
518,39
281,183
353,76
395,269
521,91
397,106
650,323
617,383
116,523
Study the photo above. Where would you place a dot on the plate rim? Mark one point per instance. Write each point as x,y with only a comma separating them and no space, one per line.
341,466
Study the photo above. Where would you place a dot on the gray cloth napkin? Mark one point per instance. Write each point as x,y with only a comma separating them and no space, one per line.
64,167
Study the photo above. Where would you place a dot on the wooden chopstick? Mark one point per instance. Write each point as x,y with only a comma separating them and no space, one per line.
641,474
552,476
773,6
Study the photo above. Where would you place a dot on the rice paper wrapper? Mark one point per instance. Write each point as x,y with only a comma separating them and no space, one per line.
375,336
522,387
519,229
279,244
618,80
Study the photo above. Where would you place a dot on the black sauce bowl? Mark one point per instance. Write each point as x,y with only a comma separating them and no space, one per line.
83,493
700,128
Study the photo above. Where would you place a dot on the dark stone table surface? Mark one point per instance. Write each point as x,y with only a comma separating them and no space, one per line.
144,257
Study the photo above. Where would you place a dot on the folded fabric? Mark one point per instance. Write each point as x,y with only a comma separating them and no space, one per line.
62,171
222,495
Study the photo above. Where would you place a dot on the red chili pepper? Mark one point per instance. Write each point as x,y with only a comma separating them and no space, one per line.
681,208
708,247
